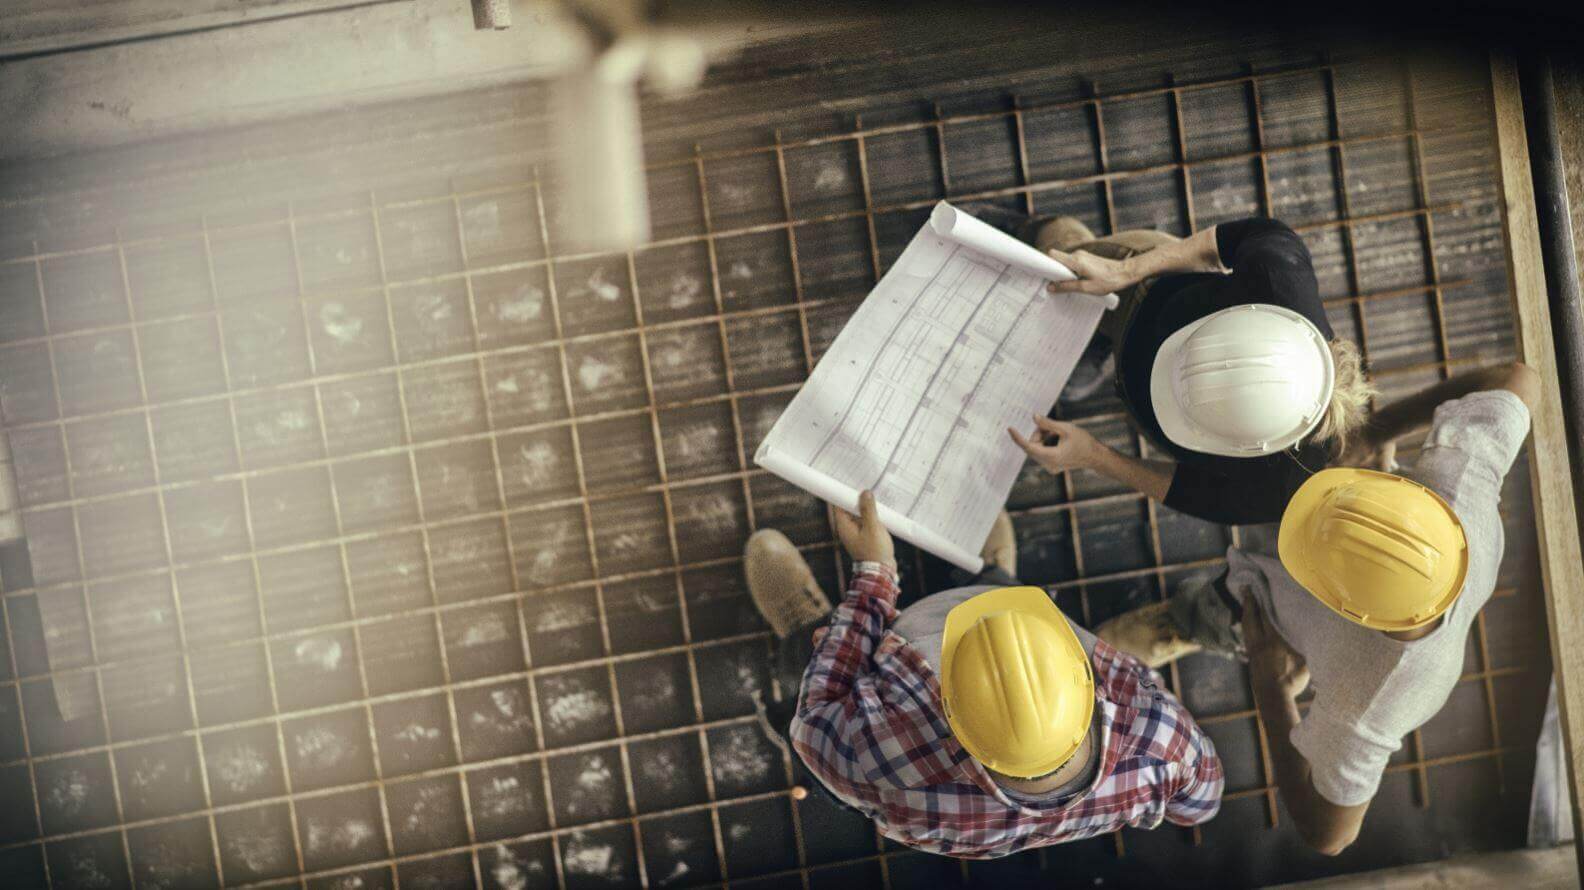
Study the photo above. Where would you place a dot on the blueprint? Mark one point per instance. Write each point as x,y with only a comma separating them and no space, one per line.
957,342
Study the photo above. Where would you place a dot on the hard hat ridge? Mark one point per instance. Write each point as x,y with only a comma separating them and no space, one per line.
1016,685
1242,382
1379,549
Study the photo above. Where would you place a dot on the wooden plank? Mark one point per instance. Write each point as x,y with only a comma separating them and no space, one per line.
1570,122
1550,477
42,26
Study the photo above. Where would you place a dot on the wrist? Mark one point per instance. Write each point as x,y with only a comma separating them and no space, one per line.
1132,269
1094,456
883,566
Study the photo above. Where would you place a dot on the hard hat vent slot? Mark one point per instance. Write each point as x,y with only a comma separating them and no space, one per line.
1366,537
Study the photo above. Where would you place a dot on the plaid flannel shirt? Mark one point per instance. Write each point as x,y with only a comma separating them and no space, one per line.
870,726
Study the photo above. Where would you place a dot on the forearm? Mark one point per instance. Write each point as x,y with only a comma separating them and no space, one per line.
1152,478
1327,827
1414,413
1279,713
1196,253
843,650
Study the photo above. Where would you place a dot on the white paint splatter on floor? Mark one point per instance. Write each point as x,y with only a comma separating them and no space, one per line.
511,872
240,767
539,462
483,221
737,757
432,308
415,733
486,631
712,515
343,837
737,194
831,177
429,798
605,290
321,652
502,797
660,769
572,710
595,372
258,853
147,774
320,748
589,859
542,568
526,305
596,775
509,714
685,289
564,615
342,326
68,793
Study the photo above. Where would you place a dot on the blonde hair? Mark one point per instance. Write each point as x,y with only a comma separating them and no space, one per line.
1350,397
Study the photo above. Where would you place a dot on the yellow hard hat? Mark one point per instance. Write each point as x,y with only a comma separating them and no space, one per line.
1381,550
1018,689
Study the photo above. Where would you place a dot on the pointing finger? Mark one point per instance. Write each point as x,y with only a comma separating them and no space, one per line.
1059,427
1026,445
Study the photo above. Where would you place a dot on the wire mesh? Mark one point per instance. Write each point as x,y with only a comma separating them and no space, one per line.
558,446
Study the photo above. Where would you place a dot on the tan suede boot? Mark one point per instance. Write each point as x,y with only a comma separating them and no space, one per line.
781,584
1000,548
1063,233
1148,634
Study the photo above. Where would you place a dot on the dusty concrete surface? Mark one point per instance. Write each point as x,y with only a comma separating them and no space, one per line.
404,545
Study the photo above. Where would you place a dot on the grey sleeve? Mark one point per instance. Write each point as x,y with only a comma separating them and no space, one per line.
1472,443
1344,764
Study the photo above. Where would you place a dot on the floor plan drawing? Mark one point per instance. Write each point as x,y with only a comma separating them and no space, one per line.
958,341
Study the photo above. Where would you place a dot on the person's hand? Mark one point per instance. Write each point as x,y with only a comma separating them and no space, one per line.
1096,274
1365,450
1058,445
1273,664
863,536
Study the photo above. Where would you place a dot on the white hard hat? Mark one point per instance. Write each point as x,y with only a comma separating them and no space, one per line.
1243,382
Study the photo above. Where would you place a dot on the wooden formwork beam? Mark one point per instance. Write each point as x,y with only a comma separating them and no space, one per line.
1550,475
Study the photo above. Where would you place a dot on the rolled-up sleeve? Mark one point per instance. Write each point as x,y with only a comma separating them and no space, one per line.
1201,781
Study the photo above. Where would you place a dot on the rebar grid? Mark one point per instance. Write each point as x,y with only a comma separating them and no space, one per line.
1027,189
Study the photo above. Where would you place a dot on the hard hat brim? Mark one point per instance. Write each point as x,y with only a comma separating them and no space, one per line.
1291,547
1174,421
1031,601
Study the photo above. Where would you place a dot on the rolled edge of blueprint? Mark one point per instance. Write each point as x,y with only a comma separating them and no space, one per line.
841,495
949,222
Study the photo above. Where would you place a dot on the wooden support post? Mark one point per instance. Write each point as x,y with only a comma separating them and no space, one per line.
1550,479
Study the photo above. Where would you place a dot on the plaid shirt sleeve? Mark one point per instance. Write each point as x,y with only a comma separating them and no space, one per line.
842,717
1199,779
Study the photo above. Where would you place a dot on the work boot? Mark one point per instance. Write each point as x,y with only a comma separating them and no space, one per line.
1063,233
1000,548
781,584
1148,634
1095,368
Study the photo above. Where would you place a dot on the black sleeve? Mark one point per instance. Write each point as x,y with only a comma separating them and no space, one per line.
1271,264
1231,491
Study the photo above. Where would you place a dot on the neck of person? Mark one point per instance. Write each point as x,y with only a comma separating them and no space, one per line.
1076,767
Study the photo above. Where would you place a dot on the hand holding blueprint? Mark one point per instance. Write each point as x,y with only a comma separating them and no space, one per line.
957,342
